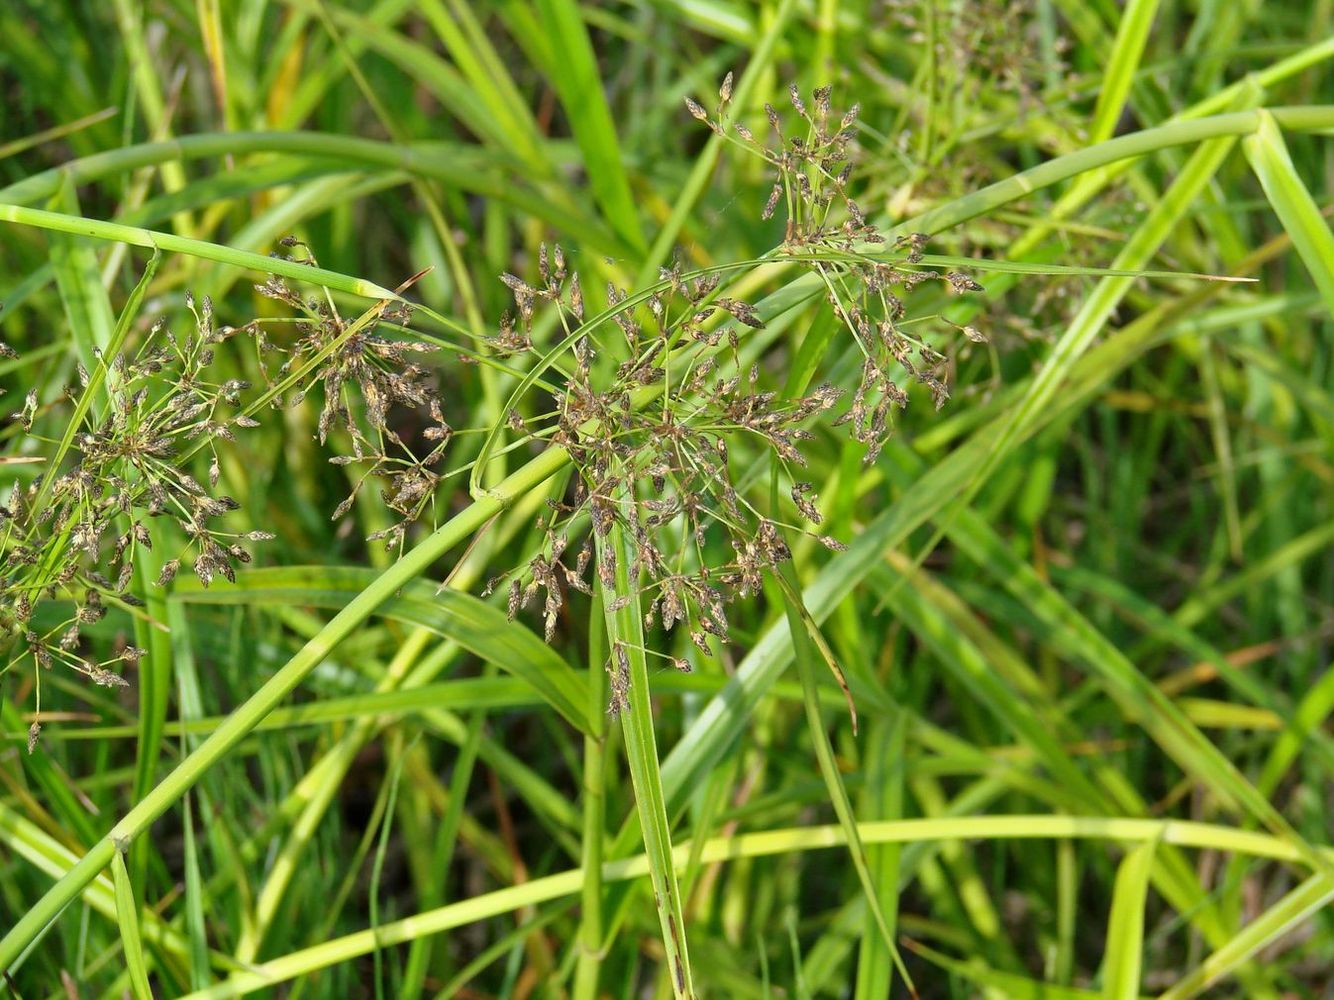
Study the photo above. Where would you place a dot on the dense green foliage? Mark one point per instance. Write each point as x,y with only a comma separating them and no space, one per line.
666,498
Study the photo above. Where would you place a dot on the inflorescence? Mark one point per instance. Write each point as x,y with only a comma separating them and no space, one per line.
661,405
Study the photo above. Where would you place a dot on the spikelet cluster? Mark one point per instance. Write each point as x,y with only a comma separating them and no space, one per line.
133,457
663,408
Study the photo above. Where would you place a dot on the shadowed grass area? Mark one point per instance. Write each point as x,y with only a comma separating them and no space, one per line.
666,499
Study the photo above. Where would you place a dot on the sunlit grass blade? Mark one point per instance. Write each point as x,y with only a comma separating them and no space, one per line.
1124,629
632,701
1098,307
1122,148
99,344
760,844
151,95
315,795
474,624
135,236
595,780
1292,201
809,652
1312,712
195,921
468,168
243,720
716,725
1132,33
1121,967
1298,906
884,793
997,983
707,160
985,264
391,787
78,280
1141,701
127,915
16,146
471,46
580,87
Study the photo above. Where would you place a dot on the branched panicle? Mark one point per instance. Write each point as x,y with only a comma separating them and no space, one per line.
77,531
650,436
363,376
662,418
866,278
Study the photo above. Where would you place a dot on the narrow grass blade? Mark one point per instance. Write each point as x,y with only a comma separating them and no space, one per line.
244,719
761,844
580,88
884,766
1074,635
1132,32
1281,919
716,725
16,146
474,624
377,866
470,45
151,93
807,650
127,915
1125,925
630,691
1000,984
482,172
1308,721
455,695
1065,270
38,849
195,922
135,236
702,172
313,796
97,372
1097,309
970,653
1123,147
591,930
79,282
1292,201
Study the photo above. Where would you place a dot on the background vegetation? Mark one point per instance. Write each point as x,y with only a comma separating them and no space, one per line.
1084,609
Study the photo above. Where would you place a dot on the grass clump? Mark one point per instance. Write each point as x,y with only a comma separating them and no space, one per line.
950,554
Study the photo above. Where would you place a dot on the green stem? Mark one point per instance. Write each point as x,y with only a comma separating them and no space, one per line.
765,843
595,805
135,236
625,637
452,164
1309,118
